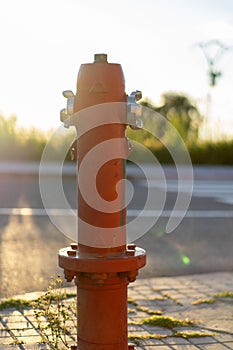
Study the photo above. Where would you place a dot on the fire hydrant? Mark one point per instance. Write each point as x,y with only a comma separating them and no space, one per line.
101,262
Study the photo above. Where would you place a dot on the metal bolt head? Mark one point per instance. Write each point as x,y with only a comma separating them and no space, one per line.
74,246
73,347
63,115
129,252
69,275
130,346
139,124
131,246
71,252
132,275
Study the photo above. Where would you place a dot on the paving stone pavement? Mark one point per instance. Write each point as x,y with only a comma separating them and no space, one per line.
190,297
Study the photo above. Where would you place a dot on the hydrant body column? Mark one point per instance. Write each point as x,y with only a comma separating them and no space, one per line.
99,84
101,262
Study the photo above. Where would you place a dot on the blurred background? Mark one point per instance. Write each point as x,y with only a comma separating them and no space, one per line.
179,54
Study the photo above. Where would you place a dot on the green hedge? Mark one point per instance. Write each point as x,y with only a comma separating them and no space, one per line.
21,144
220,152
18,144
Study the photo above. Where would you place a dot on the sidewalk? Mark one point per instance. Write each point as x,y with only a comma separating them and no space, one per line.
192,298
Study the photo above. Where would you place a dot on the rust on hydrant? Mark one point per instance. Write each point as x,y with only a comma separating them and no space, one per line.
102,264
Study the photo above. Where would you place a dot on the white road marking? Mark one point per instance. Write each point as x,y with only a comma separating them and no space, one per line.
37,212
180,213
220,191
130,213
198,186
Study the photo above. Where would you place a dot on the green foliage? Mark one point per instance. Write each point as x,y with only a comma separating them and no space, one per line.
55,318
181,112
18,143
201,152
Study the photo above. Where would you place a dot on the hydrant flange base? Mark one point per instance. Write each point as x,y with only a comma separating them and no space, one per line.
122,263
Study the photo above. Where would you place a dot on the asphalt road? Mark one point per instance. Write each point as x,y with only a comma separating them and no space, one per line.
201,243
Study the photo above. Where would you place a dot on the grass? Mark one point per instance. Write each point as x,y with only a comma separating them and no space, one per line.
137,339
14,303
17,342
166,322
170,323
132,301
224,294
187,335
21,303
204,301
148,311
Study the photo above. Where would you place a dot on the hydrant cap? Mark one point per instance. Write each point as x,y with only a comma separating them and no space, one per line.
100,57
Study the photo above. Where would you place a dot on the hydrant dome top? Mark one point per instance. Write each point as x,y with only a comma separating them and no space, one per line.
99,82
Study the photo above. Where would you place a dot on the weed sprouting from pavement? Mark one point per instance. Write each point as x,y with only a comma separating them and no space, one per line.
55,318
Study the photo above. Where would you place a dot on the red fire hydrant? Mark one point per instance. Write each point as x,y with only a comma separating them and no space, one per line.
101,263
